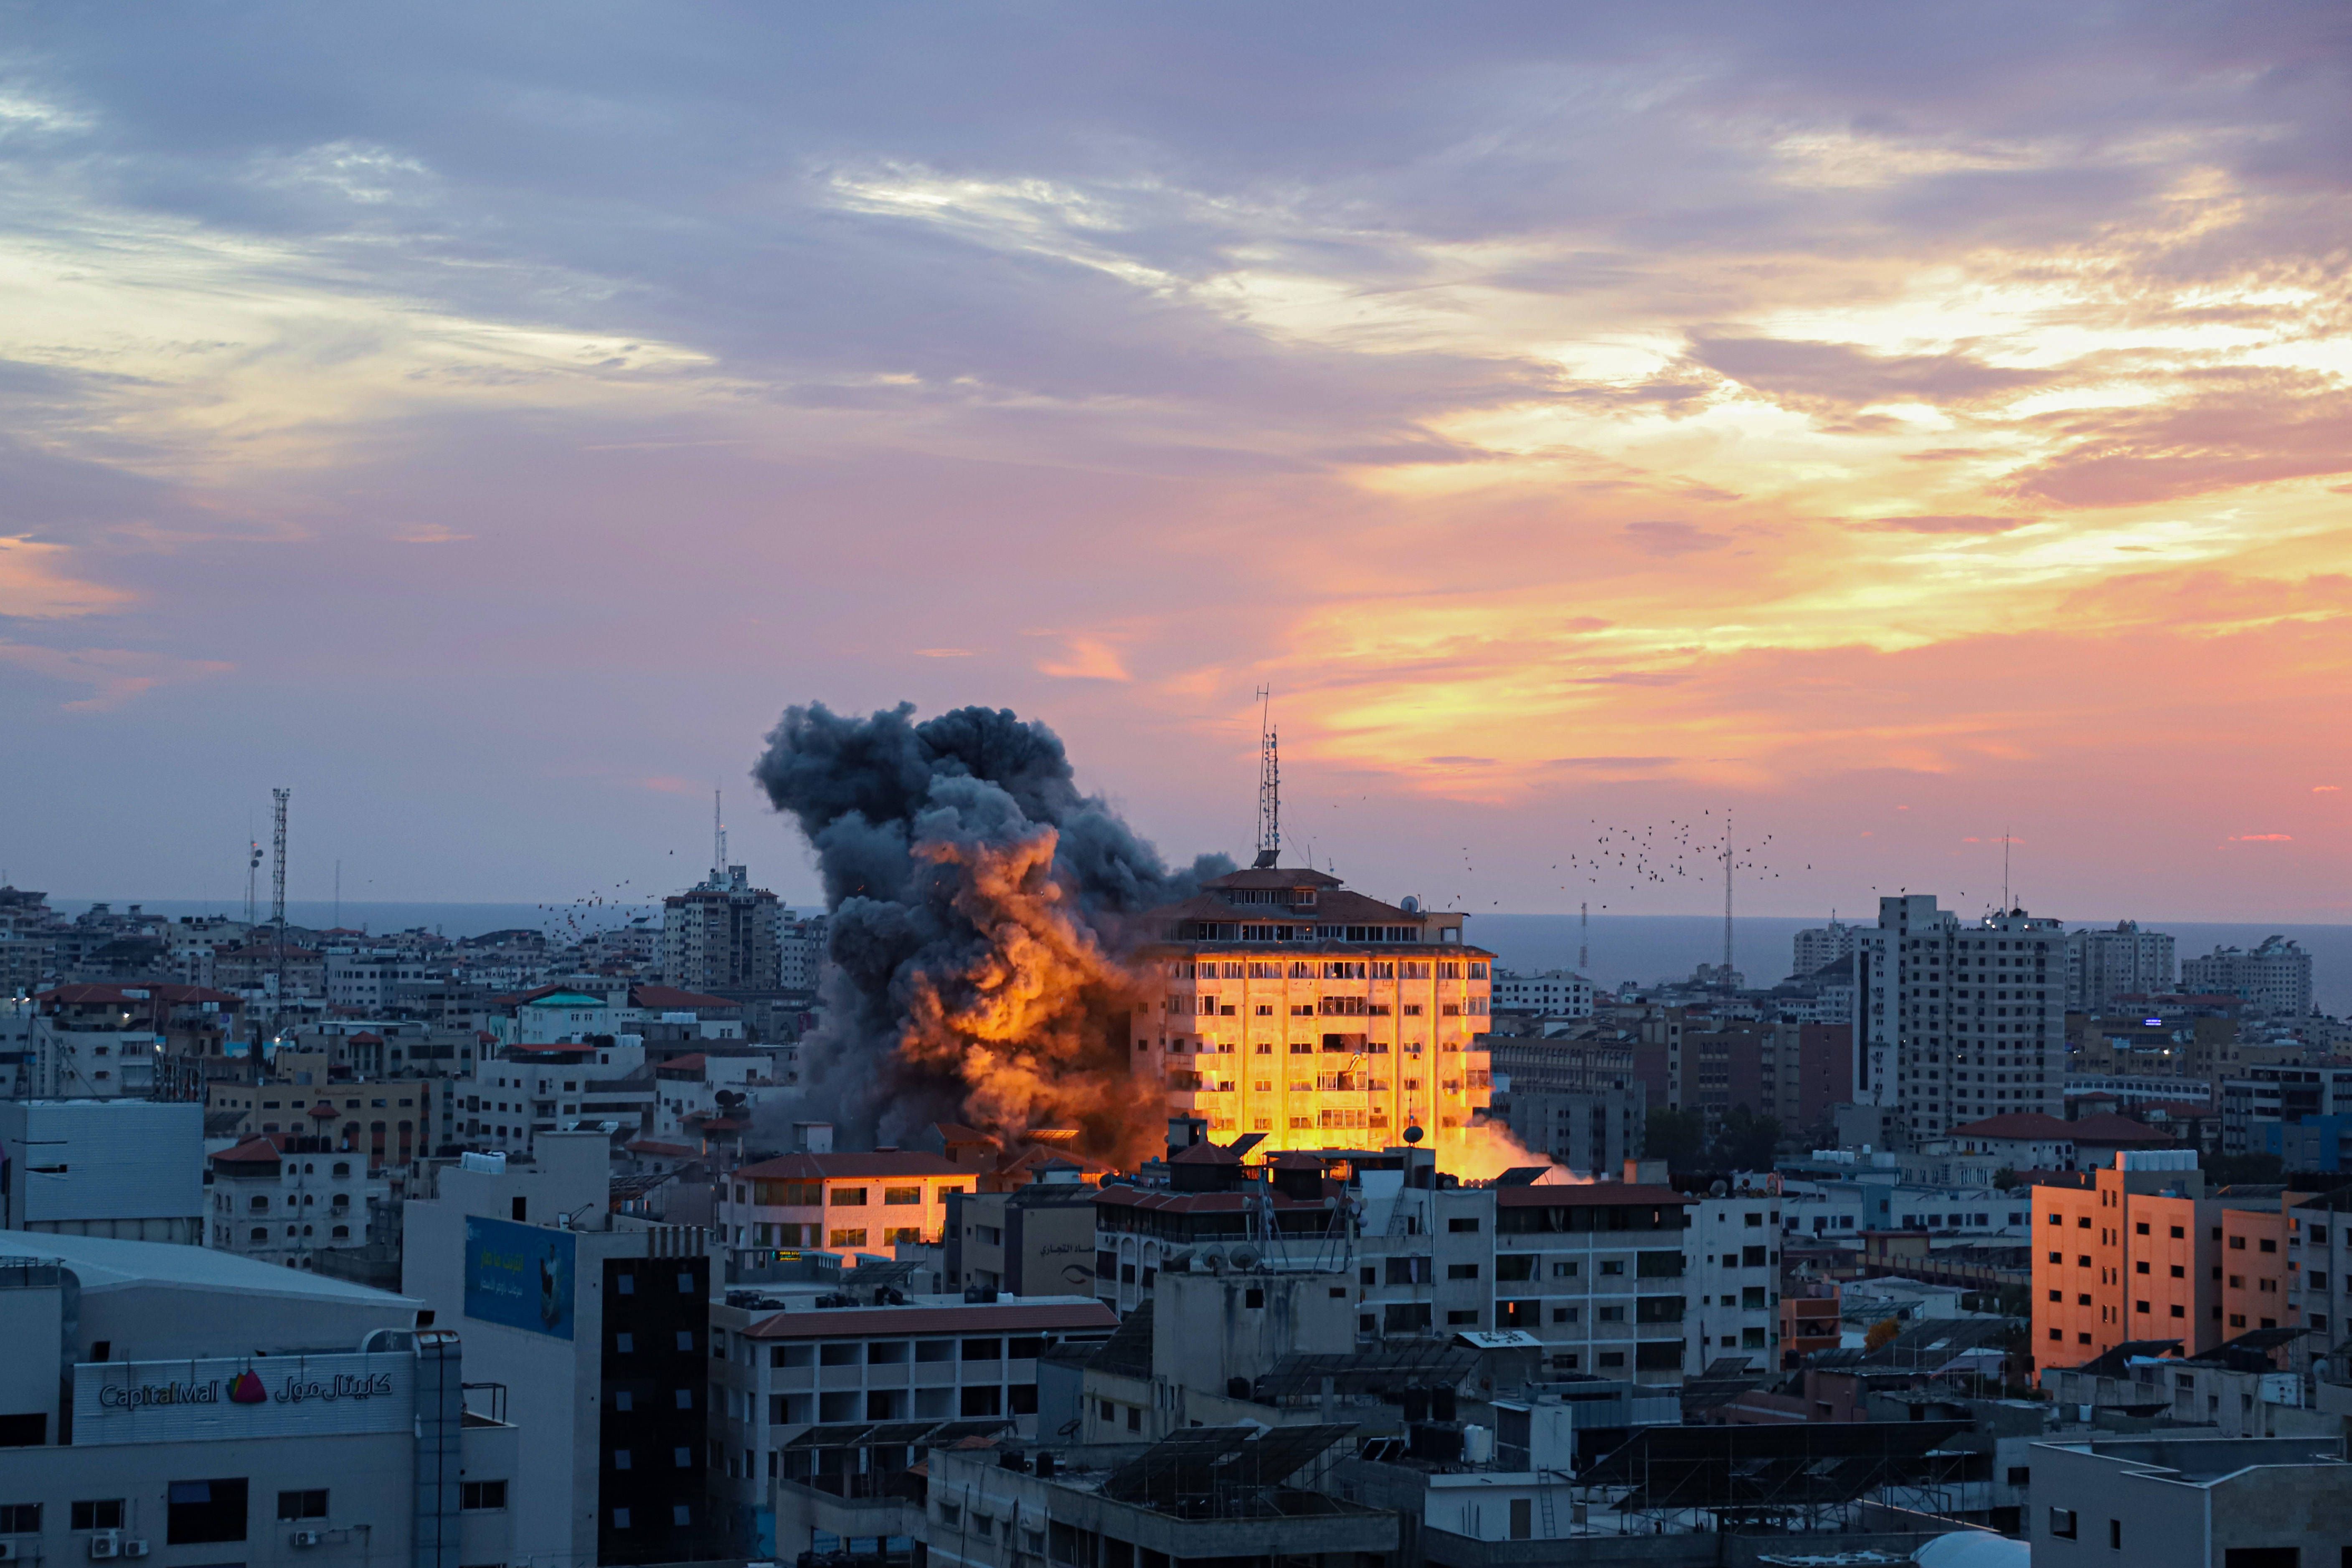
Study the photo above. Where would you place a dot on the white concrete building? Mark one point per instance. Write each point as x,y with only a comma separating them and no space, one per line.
130,1169
1961,1021
217,1410
2103,964
525,1091
2274,975
597,1327
1817,946
1552,993
1733,1282
282,1199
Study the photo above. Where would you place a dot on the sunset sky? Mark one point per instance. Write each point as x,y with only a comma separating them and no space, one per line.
1900,425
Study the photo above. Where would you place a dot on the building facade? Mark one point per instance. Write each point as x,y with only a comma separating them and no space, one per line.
1961,1021
722,935
1549,993
2105,965
2274,975
1283,1005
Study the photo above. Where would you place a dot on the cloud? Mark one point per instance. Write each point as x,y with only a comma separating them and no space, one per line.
1672,539
2262,838
1086,658
2222,433
114,676
1844,375
35,586
1958,522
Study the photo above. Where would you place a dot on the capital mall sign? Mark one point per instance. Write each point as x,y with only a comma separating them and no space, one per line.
257,1396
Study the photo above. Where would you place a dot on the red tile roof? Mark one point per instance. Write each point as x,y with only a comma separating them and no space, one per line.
662,1150
259,1150
833,1167
671,996
2117,1131
2023,1126
694,1062
979,1318
86,993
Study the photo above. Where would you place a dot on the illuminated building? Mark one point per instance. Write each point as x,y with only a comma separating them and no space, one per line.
1281,1004
2139,1252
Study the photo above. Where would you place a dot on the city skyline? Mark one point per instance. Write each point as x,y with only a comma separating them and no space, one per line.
1904,435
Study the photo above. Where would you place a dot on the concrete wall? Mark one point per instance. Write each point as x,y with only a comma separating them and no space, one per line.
1209,1328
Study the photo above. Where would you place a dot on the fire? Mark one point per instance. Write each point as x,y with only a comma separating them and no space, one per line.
1489,1149
1030,1024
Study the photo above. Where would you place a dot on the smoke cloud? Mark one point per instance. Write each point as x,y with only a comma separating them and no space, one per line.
979,905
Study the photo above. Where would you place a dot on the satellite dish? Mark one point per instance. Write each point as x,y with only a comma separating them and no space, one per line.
1211,1258
1244,1256
1412,1134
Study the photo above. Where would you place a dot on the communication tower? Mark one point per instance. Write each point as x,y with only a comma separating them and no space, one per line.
278,890
1726,899
1269,783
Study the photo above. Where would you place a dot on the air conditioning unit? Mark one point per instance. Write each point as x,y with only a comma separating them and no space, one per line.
134,1549
106,1543
307,1538
7,1552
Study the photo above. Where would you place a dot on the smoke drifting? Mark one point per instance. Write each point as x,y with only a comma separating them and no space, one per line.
978,902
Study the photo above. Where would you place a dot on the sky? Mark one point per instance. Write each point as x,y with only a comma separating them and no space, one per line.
1905,428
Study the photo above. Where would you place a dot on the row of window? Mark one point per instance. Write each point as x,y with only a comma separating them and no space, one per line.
202,1512
1328,968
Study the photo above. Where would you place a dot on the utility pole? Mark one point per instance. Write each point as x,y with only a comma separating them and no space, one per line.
1269,782
277,892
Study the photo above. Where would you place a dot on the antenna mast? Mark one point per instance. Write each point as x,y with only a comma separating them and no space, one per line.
1269,782
1585,940
2004,870
717,842
278,891
1726,899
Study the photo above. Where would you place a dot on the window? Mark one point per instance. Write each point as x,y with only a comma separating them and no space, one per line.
901,1195
2116,1534
625,1345
482,1497
848,1197
1563,1270
1462,1271
309,1504
848,1238
102,1514
1462,1226
202,1512
20,1519
620,1518
2062,1523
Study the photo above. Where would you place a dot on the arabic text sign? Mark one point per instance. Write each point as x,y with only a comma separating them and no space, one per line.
519,1275
244,1396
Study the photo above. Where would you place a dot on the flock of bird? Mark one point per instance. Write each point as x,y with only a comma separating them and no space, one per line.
1623,858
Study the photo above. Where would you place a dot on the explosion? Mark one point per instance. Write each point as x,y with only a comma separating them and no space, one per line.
1490,1148
976,900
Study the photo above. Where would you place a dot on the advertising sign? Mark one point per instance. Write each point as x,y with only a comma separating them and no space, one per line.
243,1396
519,1275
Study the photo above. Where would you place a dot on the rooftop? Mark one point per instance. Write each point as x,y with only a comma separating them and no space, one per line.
103,1264
835,1167
970,1318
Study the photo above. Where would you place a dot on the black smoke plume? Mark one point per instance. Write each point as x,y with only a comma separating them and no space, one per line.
979,908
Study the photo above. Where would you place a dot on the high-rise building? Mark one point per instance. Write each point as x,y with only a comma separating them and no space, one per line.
2103,964
1960,1021
1818,945
804,957
2275,975
1287,1006
722,935
1576,1099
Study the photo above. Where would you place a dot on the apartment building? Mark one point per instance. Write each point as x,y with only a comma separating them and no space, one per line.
797,1386
2318,1256
1817,947
1733,1280
1576,1098
2274,975
1960,1020
283,1198
1546,992
1285,1005
2139,1251
723,934
2259,1106
525,1091
843,1203
389,1122
2102,966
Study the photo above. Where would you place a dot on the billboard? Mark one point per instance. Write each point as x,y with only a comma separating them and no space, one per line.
243,1396
519,1275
